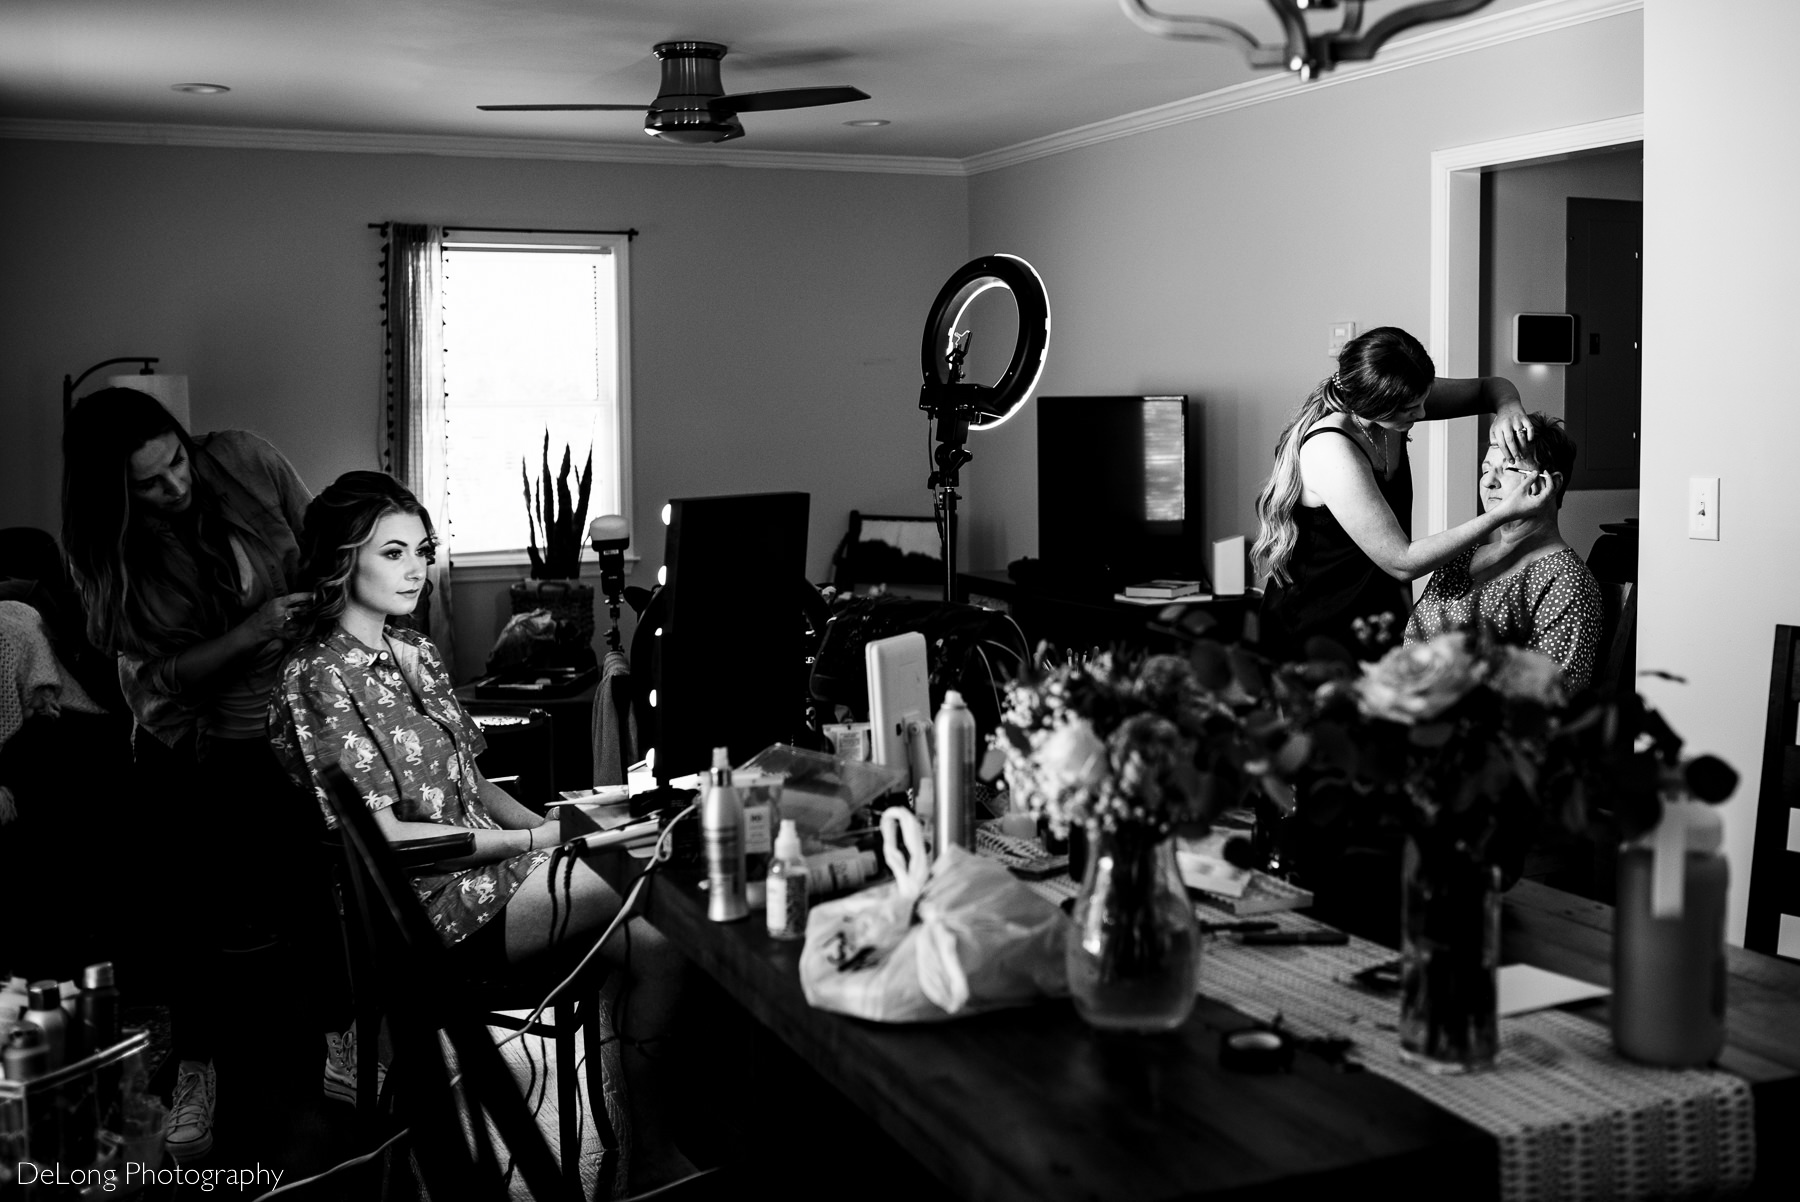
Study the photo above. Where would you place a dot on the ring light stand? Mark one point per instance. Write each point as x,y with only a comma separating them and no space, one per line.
956,408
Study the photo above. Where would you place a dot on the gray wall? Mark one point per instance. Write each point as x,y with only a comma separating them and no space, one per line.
1721,251
775,313
1524,255
1211,257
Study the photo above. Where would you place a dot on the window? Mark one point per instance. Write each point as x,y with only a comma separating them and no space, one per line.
535,338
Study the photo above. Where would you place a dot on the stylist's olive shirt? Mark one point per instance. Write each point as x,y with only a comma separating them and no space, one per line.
263,503
391,721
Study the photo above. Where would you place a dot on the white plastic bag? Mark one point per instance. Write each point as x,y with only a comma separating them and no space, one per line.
956,937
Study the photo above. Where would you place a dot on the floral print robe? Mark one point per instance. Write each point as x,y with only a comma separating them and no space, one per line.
389,719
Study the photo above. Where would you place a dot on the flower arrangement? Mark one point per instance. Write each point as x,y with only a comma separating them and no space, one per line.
1467,744
1123,742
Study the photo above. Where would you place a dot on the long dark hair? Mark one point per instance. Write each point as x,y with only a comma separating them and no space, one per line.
339,522
139,588
1378,375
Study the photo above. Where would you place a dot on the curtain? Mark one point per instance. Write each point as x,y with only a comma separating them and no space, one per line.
412,263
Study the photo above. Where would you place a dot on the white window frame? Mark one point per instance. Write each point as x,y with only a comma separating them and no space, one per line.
502,565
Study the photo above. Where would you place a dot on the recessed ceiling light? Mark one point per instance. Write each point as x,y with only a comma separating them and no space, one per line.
874,124
200,89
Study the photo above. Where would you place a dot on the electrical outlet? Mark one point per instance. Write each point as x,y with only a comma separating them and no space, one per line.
1341,333
1703,507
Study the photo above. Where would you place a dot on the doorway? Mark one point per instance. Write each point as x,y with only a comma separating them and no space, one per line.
1565,236
1452,448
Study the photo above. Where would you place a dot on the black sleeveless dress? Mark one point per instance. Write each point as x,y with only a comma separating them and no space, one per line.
1333,582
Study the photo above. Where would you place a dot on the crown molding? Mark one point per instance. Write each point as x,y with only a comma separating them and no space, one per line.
1476,33
462,146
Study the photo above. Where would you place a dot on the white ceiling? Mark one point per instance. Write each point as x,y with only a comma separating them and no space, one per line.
955,77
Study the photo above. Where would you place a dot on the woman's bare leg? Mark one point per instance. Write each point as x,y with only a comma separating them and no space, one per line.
653,985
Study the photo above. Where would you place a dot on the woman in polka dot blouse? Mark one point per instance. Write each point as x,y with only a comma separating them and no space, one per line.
1525,583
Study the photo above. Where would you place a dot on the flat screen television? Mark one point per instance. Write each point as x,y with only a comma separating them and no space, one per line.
1118,491
719,643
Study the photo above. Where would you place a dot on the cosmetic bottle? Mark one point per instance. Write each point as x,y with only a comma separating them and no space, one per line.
46,1012
786,895
26,1054
839,870
955,817
760,813
96,1025
1668,1005
722,835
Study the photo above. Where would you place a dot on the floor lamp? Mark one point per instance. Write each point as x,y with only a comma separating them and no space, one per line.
172,391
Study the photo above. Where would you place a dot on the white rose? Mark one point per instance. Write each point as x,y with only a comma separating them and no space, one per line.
1417,683
1526,675
1072,757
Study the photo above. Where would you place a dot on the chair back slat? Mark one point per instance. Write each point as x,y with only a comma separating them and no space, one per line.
1772,922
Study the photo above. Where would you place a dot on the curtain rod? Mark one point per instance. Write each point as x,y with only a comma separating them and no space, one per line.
506,229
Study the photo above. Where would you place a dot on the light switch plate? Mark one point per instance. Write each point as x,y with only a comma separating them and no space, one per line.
1341,333
1703,507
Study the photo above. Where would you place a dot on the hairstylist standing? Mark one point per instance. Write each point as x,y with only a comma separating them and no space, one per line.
185,551
1336,545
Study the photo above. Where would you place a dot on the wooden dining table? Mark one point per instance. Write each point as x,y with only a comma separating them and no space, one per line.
1033,1104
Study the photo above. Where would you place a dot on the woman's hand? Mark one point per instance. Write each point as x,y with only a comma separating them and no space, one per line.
1534,498
273,618
1511,428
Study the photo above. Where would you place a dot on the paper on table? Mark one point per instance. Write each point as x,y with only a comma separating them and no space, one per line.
1524,988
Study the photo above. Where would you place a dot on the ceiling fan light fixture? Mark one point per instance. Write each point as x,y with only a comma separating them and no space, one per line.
1306,52
692,126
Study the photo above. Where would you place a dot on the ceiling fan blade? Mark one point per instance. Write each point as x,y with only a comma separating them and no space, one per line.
561,108
785,98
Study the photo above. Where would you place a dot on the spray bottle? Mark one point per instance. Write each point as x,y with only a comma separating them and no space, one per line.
955,818
722,834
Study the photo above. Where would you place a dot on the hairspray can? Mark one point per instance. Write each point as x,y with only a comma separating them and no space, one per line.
722,834
955,817
96,1026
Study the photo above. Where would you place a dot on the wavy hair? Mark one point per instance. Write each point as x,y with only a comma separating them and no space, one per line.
1379,374
340,522
133,581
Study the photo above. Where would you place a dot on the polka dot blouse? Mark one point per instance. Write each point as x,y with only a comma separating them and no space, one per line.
1552,605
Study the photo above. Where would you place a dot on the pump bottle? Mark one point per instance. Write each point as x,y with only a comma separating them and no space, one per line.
722,834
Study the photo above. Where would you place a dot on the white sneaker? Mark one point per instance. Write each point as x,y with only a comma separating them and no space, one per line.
340,1068
188,1135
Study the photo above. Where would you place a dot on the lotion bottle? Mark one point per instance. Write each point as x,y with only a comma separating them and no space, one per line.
722,833
47,1013
786,893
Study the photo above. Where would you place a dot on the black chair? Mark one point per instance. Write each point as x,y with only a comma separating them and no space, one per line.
1774,902
400,970
1615,661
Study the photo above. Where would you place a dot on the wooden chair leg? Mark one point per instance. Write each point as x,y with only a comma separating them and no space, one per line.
568,1092
593,1044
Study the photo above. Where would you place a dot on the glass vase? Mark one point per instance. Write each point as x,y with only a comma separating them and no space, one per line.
1450,959
1134,956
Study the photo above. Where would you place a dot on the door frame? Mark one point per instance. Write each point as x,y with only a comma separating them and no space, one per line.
1455,338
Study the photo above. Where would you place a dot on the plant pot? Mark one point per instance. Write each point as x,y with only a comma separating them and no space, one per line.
1450,959
571,604
1134,956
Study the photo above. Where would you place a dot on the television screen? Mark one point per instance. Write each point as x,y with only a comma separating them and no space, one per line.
726,667
1118,490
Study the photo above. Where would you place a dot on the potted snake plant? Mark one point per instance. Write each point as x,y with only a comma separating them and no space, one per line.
556,519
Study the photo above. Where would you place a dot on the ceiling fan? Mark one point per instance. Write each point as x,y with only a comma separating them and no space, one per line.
691,106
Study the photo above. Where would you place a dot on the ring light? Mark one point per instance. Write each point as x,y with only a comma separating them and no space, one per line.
989,406
955,408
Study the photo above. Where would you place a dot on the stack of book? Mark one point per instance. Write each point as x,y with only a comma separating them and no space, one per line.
1153,592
